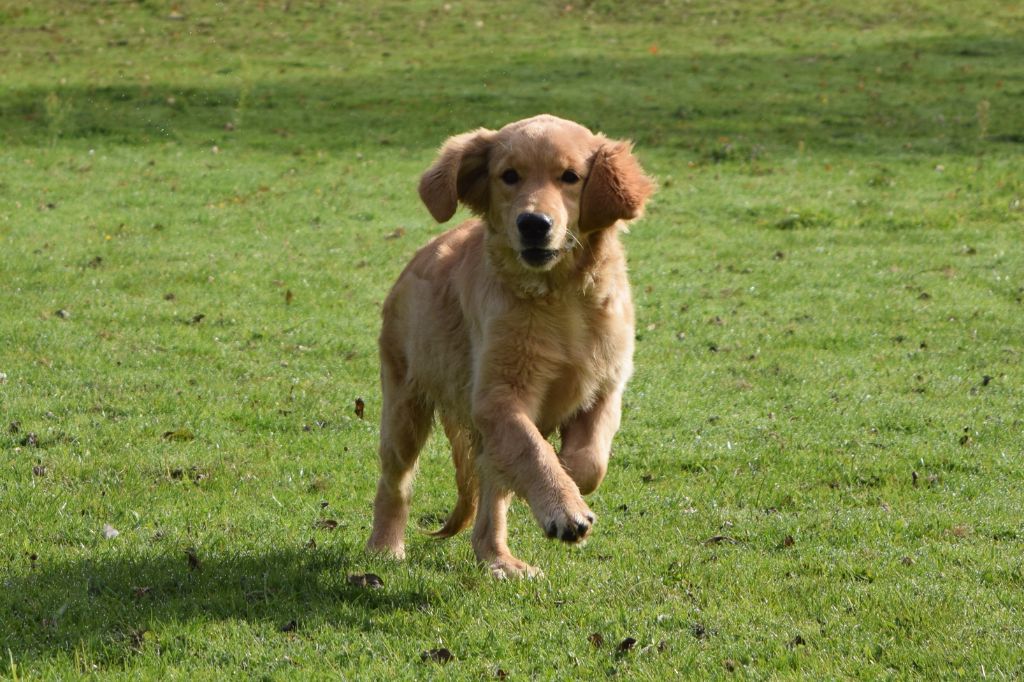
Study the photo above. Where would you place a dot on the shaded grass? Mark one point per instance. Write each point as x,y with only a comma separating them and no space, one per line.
819,468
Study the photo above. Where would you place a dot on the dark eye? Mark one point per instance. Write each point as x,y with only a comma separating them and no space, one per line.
510,177
570,177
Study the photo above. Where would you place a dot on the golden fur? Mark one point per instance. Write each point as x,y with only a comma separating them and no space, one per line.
508,341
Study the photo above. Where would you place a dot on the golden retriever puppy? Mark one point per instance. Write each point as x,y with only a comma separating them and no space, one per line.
514,324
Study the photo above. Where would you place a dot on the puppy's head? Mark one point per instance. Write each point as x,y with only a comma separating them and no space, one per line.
541,184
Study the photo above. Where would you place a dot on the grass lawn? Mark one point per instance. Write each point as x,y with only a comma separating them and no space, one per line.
819,473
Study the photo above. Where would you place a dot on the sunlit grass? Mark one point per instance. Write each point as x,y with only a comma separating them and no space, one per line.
819,471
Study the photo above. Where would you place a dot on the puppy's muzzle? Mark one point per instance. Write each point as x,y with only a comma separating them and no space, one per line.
534,235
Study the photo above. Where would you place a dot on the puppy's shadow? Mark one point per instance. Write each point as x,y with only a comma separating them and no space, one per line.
95,601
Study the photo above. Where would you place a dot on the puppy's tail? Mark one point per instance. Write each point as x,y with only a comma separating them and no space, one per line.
460,517
465,481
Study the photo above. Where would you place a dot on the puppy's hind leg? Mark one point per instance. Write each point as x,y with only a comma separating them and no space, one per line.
587,442
404,426
463,456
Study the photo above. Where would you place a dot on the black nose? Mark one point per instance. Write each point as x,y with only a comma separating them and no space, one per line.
534,228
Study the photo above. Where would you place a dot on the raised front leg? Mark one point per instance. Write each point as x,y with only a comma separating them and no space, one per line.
587,441
517,457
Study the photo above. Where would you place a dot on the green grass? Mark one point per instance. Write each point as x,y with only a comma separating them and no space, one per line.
829,287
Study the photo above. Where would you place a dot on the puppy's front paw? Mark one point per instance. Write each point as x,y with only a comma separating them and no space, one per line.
569,522
508,567
389,548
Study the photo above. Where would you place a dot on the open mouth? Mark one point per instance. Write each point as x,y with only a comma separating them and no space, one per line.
538,257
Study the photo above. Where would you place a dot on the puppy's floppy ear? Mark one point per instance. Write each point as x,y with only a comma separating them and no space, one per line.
616,187
458,174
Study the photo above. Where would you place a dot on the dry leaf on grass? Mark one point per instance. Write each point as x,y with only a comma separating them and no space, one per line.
179,435
441,655
720,539
369,580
